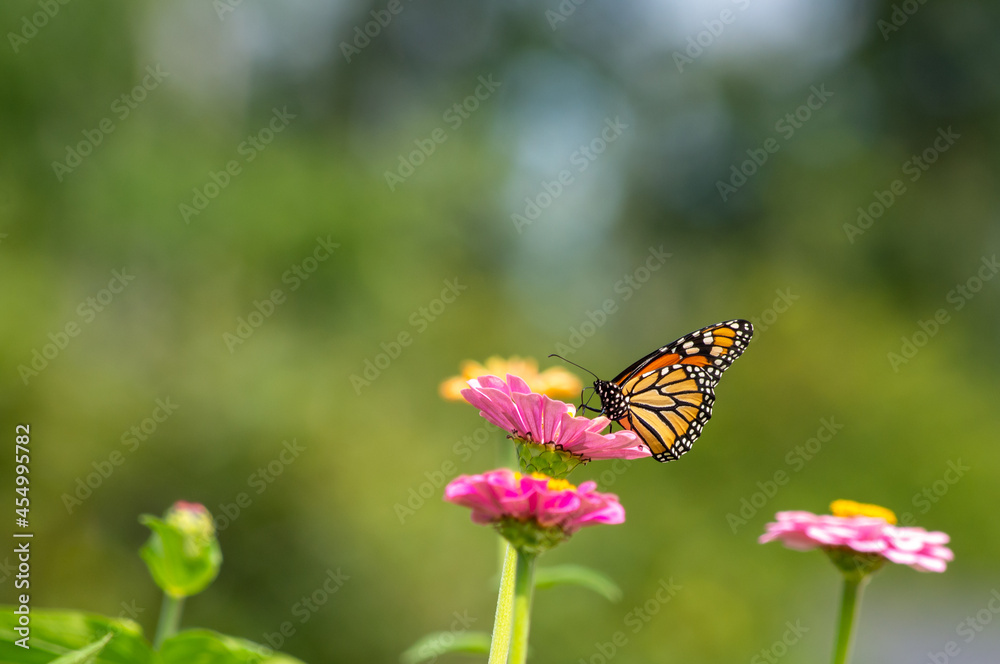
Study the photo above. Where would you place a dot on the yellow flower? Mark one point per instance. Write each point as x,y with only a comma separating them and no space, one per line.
849,508
555,382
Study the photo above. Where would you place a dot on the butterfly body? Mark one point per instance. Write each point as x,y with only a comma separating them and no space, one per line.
667,396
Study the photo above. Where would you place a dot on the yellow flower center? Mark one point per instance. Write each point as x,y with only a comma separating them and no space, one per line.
557,485
553,484
849,508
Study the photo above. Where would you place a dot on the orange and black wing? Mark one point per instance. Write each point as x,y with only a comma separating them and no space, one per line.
715,346
670,392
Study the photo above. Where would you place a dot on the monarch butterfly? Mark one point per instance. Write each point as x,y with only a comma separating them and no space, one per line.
666,397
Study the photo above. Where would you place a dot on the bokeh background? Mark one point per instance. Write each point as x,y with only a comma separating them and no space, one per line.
831,303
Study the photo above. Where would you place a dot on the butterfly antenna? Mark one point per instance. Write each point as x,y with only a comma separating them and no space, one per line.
585,406
575,365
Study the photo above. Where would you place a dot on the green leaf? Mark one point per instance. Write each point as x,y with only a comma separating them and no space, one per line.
578,575
181,563
85,655
58,633
202,646
439,643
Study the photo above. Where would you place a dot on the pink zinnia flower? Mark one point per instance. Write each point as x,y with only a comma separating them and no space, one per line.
533,511
541,420
864,529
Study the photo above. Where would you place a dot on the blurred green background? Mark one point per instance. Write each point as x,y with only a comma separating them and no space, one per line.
696,90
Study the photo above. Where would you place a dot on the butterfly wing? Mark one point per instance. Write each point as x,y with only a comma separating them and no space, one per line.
716,345
671,391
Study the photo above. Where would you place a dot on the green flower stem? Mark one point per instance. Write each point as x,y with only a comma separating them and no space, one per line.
170,619
506,458
854,584
500,644
523,588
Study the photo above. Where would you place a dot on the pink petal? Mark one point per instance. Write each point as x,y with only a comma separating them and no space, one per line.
930,564
798,541
496,407
942,552
489,383
556,509
901,557
541,415
517,384
868,546
612,513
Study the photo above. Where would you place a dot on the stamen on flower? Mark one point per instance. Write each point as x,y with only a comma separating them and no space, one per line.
849,508
554,484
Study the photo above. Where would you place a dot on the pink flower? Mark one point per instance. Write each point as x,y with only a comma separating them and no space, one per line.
541,420
520,505
918,548
875,535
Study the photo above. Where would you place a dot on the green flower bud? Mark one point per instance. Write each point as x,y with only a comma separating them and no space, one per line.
854,564
528,537
182,553
545,458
